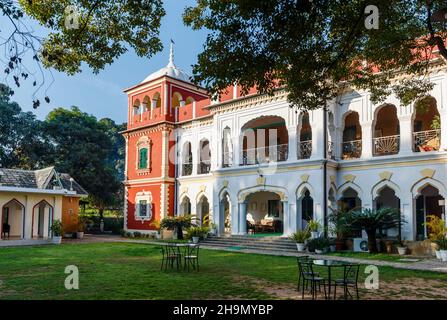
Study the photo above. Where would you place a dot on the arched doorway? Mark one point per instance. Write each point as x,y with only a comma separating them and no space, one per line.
306,208
185,206
264,212
42,220
386,198
349,200
13,218
426,126
386,134
427,203
225,214
352,137
304,149
204,157
264,140
203,211
187,159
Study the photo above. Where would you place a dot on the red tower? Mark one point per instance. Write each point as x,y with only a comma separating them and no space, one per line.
156,106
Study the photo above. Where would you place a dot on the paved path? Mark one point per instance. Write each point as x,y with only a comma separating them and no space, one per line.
422,265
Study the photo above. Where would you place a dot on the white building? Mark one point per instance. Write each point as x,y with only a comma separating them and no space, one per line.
375,156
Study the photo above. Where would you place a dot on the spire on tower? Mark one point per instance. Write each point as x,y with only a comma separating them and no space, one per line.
171,55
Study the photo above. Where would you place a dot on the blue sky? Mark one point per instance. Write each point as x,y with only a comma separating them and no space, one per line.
101,94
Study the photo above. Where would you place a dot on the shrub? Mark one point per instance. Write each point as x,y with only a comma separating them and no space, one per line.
300,236
319,243
137,234
57,228
177,223
195,232
313,226
372,220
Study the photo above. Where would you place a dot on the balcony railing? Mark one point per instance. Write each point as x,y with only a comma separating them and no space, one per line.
227,159
351,149
386,145
427,140
304,149
274,153
204,167
186,169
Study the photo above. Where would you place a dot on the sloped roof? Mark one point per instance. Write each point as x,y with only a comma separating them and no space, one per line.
44,179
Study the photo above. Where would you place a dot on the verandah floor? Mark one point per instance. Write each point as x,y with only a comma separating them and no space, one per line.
132,271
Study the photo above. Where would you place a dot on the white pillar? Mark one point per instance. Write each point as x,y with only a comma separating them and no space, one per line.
406,135
237,146
234,219
292,218
318,147
292,144
243,218
443,116
286,218
367,136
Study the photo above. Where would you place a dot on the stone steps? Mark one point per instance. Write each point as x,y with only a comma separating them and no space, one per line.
243,242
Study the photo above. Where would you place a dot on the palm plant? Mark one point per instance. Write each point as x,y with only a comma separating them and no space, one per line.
372,220
177,223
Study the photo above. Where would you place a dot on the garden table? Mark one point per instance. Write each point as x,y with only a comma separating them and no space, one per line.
329,264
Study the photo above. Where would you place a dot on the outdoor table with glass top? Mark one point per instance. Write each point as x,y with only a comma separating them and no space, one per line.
329,264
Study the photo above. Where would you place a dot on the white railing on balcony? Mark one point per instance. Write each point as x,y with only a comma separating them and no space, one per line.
386,145
427,140
227,159
351,149
186,169
304,149
274,153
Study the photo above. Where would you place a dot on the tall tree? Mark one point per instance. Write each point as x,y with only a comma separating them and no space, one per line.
77,31
313,47
22,142
82,149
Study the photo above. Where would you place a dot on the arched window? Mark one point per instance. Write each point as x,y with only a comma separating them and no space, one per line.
386,133
426,125
136,109
305,133
143,153
187,159
177,100
143,159
352,137
156,101
143,206
204,157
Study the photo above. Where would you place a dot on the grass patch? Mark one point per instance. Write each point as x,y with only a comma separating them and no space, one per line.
370,256
132,271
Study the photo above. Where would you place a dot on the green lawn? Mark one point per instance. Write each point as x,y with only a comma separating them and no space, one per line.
370,256
131,271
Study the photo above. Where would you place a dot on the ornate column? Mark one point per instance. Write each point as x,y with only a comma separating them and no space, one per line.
286,217
406,135
234,220
293,143
367,144
243,218
443,116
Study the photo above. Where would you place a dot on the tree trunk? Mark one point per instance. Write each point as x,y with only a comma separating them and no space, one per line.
101,213
179,233
372,242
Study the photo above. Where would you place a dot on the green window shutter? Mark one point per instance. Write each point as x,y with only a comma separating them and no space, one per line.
142,164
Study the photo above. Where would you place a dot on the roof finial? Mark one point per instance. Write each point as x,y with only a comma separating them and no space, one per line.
171,55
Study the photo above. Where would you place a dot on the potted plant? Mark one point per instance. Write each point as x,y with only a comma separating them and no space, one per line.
82,224
401,247
156,225
442,245
300,238
57,228
205,231
338,220
213,229
320,244
437,231
373,219
195,233
177,224
313,226
332,244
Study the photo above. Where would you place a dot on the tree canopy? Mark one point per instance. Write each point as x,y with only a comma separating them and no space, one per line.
313,47
78,31
90,150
